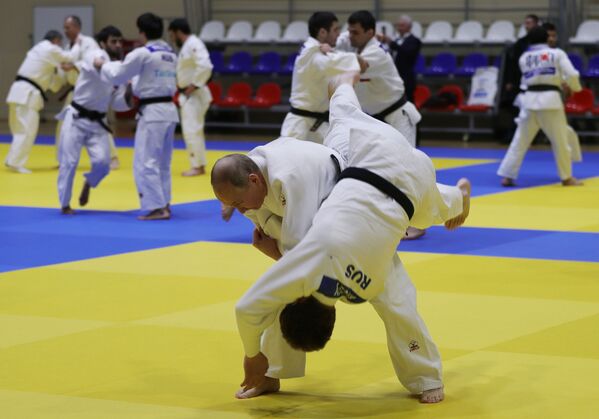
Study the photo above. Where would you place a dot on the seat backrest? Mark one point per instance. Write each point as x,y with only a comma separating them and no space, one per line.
240,31
421,94
270,92
446,60
475,59
439,30
269,30
589,29
576,60
501,30
217,60
593,62
270,59
213,30
585,99
296,31
497,61
241,59
240,90
469,30
216,90
456,90
416,29
420,65
385,27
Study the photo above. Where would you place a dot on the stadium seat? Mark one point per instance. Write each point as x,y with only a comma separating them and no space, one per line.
385,27
268,63
471,63
240,62
437,32
457,91
239,31
587,33
216,90
420,65
268,31
469,32
580,102
497,61
421,94
288,67
593,67
499,32
267,95
238,94
218,61
213,31
443,64
296,31
577,61
416,29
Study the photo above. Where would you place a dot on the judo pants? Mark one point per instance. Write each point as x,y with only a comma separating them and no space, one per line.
23,122
296,126
75,134
554,125
152,163
193,113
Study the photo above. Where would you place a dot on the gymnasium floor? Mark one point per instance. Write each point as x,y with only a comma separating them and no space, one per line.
104,316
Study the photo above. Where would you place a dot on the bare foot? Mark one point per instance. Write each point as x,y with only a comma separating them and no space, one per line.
115,164
572,182
67,210
194,171
507,182
414,233
435,395
466,188
270,385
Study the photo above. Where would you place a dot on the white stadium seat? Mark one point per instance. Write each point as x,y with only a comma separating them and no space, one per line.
386,27
587,33
438,31
469,32
213,30
268,31
416,29
500,31
296,31
239,31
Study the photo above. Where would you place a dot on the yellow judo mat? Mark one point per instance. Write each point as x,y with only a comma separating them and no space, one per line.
151,333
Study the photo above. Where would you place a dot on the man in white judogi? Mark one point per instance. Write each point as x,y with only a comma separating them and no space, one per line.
85,120
426,363
308,118
153,70
194,69
544,69
39,72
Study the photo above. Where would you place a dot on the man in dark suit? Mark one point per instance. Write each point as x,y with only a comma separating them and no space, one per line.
406,49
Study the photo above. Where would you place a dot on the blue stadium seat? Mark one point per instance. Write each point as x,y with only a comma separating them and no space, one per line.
471,63
288,67
240,62
218,61
497,61
577,61
268,63
593,67
443,64
420,65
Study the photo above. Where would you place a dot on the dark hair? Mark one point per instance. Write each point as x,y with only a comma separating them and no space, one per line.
364,18
75,19
150,25
548,26
307,324
321,20
52,35
537,35
233,169
533,17
180,24
107,32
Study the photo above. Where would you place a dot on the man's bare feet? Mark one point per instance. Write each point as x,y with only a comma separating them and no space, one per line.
157,214
435,395
507,182
572,182
194,171
466,188
115,164
67,210
414,233
270,385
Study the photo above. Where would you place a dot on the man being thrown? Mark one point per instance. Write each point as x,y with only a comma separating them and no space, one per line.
355,235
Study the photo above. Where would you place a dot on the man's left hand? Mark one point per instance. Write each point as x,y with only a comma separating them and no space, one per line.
255,369
190,89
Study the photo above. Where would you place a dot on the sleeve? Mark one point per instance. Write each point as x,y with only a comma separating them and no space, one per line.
336,62
375,57
203,65
57,80
118,101
59,55
571,75
120,72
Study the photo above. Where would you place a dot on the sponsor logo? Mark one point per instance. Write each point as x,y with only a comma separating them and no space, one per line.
413,345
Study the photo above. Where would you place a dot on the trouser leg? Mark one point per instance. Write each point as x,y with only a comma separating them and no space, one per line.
23,124
69,152
574,145
193,113
525,133
112,145
98,148
554,125
166,160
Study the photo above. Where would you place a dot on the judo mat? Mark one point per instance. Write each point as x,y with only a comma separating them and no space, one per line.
104,316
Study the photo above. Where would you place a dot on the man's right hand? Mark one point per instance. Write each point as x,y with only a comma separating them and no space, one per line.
98,63
266,244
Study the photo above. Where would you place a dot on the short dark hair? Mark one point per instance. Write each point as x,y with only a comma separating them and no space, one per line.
321,20
52,35
307,324
548,26
364,18
537,35
234,169
75,19
180,24
151,25
533,17
107,32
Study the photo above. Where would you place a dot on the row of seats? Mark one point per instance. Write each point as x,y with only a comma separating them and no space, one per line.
240,94
439,31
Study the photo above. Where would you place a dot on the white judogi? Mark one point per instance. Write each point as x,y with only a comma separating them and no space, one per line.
94,93
349,253
25,101
154,68
194,68
381,86
544,110
309,88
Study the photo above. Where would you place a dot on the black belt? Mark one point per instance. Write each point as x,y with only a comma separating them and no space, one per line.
319,116
34,84
91,115
543,88
337,165
383,114
156,99
381,184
